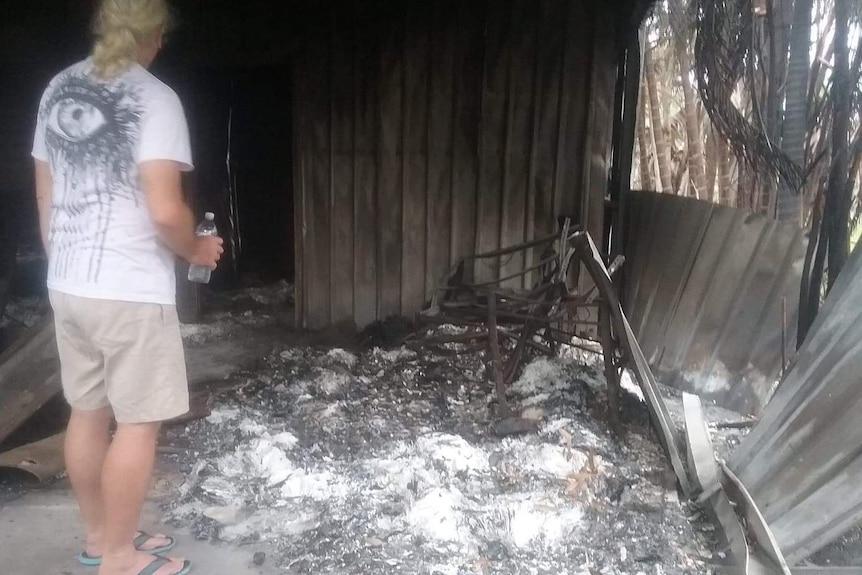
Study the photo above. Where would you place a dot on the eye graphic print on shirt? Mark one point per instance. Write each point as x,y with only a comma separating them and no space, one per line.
91,130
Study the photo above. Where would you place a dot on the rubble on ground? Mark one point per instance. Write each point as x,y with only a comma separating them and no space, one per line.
24,312
386,461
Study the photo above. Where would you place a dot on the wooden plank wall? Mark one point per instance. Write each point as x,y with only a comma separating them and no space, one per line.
430,130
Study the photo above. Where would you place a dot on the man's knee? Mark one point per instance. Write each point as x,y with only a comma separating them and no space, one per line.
148,431
102,415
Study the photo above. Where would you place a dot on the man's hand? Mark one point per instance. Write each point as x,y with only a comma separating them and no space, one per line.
162,186
207,251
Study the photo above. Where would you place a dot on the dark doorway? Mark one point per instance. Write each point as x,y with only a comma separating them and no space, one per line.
240,122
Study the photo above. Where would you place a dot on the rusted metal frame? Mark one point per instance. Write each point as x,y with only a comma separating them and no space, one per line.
511,301
533,322
529,342
504,295
592,260
536,321
460,322
562,340
458,338
438,320
514,314
549,325
519,317
533,314
521,273
512,249
482,312
465,337
534,345
518,353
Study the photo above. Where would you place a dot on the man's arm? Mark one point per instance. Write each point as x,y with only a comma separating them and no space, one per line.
44,195
162,184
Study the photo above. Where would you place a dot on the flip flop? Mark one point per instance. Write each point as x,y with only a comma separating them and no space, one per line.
158,562
138,541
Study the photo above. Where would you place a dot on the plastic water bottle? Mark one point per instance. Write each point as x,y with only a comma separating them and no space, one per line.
201,274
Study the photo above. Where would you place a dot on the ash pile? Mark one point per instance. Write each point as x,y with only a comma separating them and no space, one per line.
392,461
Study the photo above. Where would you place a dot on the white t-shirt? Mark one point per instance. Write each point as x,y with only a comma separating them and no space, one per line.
94,134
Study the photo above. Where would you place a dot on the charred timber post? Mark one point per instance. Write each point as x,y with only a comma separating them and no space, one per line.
609,351
668,435
496,360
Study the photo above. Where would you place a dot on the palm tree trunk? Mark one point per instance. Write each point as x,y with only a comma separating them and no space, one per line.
796,114
696,160
747,196
662,149
644,138
725,162
839,189
712,166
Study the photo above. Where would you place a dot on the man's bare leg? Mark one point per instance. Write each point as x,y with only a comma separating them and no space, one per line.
126,476
86,446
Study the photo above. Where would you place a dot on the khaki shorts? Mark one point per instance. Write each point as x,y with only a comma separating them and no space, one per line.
125,355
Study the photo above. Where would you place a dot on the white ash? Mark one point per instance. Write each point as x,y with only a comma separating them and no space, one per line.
251,426
388,464
223,415
291,354
629,383
549,378
274,295
393,355
224,324
588,353
342,357
331,383
200,333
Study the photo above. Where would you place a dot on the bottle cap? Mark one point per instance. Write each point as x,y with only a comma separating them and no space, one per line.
209,216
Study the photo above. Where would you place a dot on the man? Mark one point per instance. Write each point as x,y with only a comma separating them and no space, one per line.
110,145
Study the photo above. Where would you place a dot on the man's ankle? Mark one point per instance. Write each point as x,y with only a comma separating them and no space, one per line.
114,552
93,543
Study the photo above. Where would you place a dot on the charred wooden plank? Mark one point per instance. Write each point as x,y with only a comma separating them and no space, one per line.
668,434
29,376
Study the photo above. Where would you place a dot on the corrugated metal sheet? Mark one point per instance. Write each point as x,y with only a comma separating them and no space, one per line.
438,129
704,286
803,461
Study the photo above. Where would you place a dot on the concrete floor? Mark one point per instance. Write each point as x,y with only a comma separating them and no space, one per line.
40,531
40,535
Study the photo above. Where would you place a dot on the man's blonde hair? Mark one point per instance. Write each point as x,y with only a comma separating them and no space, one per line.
120,27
